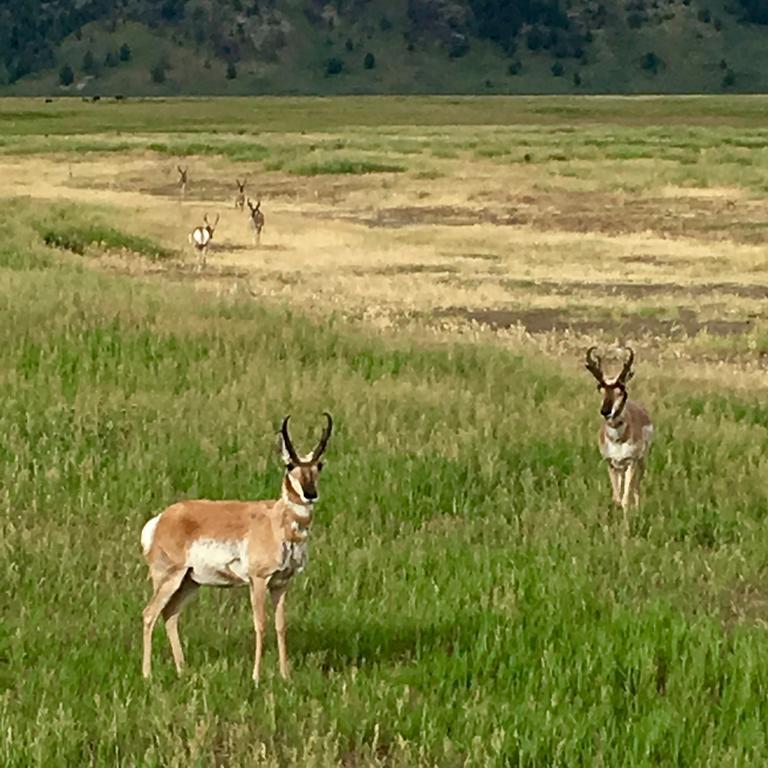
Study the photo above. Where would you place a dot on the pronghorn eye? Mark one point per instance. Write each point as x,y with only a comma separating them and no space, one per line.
289,467
319,465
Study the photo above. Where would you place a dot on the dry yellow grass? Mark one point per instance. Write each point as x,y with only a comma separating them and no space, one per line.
527,251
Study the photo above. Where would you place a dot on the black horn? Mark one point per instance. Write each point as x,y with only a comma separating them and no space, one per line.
627,372
320,449
594,365
287,442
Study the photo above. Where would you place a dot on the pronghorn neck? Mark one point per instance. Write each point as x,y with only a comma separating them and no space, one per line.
298,511
616,428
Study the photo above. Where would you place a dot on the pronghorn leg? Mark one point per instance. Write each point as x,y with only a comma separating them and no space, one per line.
165,588
615,475
258,595
630,474
171,616
278,600
639,472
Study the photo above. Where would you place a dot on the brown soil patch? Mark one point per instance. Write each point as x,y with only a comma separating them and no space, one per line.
548,320
443,215
590,212
639,290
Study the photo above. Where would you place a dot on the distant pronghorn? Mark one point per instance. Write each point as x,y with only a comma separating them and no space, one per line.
240,199
626,434
200,237
182,179
257,220
258,544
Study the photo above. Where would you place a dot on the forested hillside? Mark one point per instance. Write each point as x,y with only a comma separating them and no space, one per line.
367,46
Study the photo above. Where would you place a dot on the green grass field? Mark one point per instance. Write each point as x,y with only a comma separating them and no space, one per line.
471,599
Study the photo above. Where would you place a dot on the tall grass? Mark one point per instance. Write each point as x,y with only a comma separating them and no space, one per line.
470,600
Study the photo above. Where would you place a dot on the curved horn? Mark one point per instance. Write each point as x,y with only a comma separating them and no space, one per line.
594,364
627,372
320,449
287,442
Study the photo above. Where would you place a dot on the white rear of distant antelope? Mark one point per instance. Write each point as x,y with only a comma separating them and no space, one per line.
626,433
257,221
258,544
200,237
240,197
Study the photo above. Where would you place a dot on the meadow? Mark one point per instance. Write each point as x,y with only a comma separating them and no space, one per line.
431,272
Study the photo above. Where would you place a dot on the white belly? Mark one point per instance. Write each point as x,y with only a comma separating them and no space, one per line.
619,454
218,563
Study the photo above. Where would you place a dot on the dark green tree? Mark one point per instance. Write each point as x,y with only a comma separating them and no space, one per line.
334,66
651,62
66,75
369,62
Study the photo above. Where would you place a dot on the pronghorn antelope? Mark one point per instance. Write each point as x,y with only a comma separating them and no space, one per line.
257,221
200,237
626,433
240,199
261,544
182,179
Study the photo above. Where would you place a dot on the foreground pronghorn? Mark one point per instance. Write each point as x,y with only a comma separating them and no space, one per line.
626,434
257,221
200,237
182,179
261,544
240,198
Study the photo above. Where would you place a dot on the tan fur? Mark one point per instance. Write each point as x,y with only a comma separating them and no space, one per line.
626,434
182,179
257,220
625,443
240,197
265,538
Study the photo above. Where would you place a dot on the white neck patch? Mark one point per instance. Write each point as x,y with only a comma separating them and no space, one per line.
301,511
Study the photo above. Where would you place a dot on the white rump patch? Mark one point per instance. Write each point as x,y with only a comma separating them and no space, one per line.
148,534
648,433
218,563
201,236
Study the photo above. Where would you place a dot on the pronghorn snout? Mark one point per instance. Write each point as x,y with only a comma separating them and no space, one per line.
606,410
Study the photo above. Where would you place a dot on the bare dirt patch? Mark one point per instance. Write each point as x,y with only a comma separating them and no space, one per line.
443,215
548,320
636,290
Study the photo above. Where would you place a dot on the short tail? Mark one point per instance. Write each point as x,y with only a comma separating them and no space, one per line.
148,534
